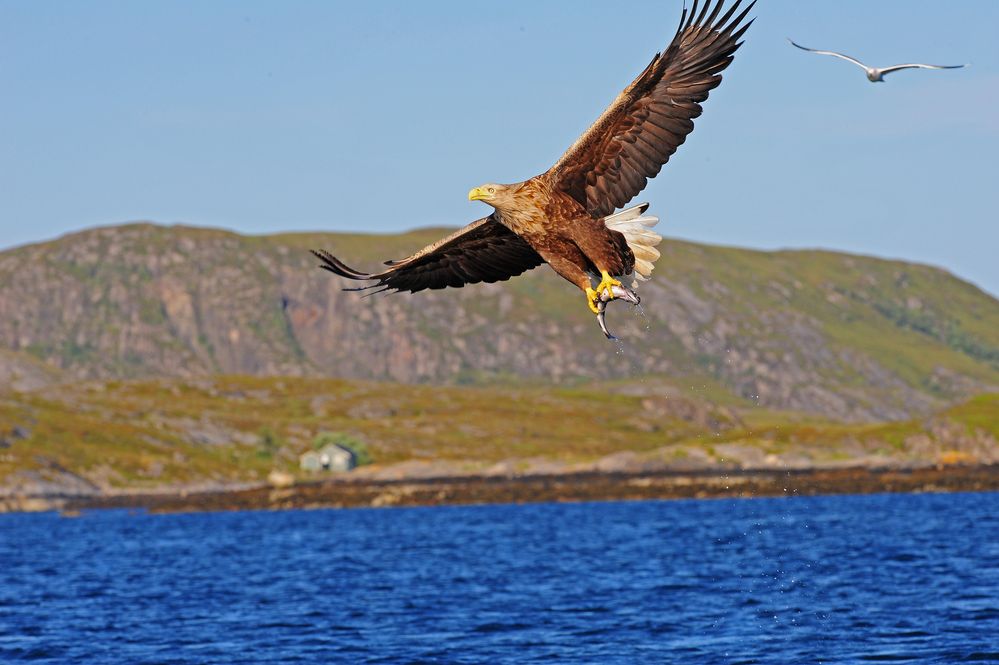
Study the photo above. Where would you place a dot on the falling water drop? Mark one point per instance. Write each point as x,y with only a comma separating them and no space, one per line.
640,311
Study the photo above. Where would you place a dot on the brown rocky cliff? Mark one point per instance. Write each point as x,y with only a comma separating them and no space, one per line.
849,337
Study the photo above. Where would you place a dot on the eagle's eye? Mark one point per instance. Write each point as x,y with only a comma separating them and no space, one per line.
491,190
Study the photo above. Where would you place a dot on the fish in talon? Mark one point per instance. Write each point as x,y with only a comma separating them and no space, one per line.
616,292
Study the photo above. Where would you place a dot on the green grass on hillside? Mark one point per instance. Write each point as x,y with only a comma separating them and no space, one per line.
234,429
848,336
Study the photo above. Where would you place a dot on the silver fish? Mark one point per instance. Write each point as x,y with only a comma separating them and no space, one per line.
619,293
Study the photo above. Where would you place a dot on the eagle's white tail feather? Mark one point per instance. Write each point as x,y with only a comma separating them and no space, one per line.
637,229
645,252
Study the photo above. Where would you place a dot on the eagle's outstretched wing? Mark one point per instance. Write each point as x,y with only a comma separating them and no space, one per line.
483,251
612,161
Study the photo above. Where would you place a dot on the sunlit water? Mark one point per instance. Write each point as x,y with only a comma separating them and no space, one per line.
803,580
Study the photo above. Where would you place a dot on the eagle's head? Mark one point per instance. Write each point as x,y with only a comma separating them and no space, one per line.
495,195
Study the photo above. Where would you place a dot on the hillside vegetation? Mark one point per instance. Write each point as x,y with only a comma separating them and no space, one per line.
845,337
98,436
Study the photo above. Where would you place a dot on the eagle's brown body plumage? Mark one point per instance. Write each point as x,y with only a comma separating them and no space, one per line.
579,245
559,216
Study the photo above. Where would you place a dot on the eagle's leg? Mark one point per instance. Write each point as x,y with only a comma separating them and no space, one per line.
570,265
592,298
606,282
604,250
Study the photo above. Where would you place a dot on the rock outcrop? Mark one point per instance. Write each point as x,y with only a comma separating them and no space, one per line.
843,336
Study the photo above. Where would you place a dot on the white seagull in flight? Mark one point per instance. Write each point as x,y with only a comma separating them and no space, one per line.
876,74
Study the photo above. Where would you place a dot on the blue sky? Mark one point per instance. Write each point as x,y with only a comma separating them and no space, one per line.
266,117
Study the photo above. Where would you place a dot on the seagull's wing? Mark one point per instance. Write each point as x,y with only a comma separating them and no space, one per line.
916,65
832,53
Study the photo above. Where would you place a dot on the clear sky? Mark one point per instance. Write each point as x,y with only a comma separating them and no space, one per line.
379,116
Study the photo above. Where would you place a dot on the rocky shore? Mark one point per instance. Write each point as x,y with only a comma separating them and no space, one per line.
590,486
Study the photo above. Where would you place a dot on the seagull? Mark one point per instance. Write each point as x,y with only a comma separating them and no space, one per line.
876,74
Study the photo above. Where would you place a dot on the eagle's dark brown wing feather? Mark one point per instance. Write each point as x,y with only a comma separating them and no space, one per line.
483,251
612,162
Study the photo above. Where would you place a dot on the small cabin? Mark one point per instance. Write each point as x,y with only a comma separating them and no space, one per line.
331,457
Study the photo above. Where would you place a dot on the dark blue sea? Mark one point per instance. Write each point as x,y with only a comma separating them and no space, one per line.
887,578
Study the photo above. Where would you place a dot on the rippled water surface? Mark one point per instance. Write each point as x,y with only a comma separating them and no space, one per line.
903,578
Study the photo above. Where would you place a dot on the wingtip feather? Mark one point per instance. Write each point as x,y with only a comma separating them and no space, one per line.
336,266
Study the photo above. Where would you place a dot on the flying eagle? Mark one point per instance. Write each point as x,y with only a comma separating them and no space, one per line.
875,74
566,217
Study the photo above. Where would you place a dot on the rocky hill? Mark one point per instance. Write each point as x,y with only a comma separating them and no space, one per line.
845,336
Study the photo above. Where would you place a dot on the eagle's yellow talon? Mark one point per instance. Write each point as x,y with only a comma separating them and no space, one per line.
591,299
606,282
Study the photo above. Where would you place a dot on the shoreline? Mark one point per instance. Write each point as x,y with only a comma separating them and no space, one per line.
570,487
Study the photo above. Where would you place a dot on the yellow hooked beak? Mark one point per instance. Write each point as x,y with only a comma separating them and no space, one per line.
477,194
